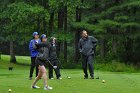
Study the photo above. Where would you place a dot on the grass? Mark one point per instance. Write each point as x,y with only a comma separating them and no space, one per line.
116,82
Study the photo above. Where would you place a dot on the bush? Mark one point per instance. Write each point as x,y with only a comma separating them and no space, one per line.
115,66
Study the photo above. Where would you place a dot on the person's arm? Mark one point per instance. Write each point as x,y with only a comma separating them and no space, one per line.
94,44
49,49
42,44
32,45
80,46
94,40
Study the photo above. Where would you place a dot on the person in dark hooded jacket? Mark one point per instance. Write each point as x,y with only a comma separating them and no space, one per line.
54,60
87,45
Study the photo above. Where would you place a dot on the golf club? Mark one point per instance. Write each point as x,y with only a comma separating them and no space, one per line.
55,67
63,68
90,51
96,63
96,69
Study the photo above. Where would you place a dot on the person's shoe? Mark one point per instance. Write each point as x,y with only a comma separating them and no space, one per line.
48,88
52,78
97,77
59,78
30,78
35,87
92,78
85,77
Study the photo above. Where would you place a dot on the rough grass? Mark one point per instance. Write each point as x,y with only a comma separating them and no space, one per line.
113,66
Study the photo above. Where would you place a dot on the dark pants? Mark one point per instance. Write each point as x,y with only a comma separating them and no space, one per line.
54,62
33,65
87,62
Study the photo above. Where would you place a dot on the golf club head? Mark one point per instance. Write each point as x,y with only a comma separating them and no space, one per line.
54,67
68,77
98,77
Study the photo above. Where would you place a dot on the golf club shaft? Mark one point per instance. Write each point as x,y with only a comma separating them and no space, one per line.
96,64
50,63
62,67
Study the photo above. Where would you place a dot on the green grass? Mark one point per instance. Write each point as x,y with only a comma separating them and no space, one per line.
116,82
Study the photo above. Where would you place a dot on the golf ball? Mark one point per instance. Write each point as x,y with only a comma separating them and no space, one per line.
9,90
103,81
69,77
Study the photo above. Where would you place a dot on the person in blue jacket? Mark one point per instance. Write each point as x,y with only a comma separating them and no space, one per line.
34,54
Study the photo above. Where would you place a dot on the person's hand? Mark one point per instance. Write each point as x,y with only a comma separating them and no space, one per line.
36,42
80,51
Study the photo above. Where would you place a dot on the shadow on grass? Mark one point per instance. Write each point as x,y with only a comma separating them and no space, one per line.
23,64
8,74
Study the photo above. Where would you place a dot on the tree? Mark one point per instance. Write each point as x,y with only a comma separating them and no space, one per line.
14,14
77,32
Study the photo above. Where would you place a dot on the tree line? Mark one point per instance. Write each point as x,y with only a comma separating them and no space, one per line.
115,23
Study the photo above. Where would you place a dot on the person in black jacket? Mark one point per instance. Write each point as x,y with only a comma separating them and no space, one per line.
54,60
41,60
87,45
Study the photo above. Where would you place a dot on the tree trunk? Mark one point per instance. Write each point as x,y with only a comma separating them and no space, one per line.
51,22
114,45
45,4
77,54
77,33
60,18
60,27
65,29
38,24
44,25
102,51
128,56
12,55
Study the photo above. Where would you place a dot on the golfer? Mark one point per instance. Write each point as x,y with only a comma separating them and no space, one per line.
87,45
33,53
54,60
41,61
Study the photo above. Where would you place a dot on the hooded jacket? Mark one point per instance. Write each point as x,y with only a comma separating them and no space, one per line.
53,50
53,54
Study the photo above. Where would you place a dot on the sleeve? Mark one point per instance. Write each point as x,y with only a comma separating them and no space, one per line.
34,45
94,41
42,44
49,48
79,46
31,45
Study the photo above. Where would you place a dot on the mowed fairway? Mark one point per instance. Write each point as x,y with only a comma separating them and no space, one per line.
17,80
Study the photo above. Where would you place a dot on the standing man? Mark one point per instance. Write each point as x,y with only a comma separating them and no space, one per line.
87,45
33,53
54,60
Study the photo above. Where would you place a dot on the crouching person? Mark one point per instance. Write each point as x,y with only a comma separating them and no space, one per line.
41,60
